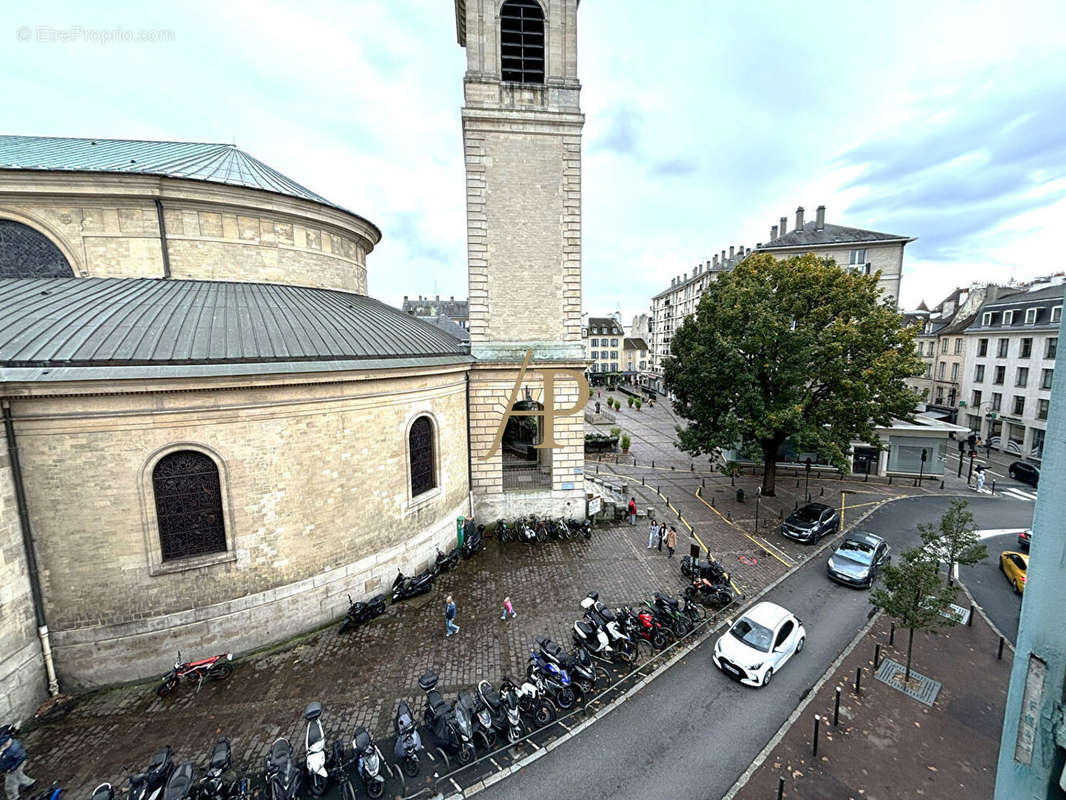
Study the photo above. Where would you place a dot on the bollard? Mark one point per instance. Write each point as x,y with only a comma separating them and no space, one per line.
941,483
641,480
671,467
993,488
679,513
797,484
969,620
814,741
712,501
836,709
892,634
780,514
780,788
703,483
653,464
821,493
889,480
858,680
877,656
999,653
729,516
691,467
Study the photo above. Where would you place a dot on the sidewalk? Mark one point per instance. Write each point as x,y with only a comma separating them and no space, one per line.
889,746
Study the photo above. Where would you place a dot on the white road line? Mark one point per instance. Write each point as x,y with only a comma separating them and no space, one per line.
1021,494
993,532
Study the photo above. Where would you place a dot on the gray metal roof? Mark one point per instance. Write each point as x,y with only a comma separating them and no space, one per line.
216,163
85,322
810,235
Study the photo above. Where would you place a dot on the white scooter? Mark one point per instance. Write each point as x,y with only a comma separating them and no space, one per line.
315,744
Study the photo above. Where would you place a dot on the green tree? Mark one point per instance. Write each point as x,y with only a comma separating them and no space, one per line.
914,596
798,349
954,540
731,469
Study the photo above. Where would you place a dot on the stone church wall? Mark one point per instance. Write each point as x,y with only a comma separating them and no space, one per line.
22,679
316,486
214,232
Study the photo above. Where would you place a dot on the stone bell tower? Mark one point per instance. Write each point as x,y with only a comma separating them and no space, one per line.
522,142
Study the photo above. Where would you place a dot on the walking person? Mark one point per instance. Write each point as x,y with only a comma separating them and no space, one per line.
632,511
671,541
980,478
508,609
449,617
653,533
661,536
12,764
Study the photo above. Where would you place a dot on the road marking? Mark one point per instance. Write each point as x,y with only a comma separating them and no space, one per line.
990,533
1020,494
762,543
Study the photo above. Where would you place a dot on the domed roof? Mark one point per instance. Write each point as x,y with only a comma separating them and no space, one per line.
185,327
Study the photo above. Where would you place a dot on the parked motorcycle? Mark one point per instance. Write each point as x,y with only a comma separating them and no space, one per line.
408,742
282,776
589,634
581,670
608,620
504,712
505,531
338,771
704,591
552,680
451,725
642,625
212,785
180,782
315,747
704,568
361,612
215,668
103,792
480,719
369,762
404,587
580,527
531,701
448,562
473,536
668,610
148,785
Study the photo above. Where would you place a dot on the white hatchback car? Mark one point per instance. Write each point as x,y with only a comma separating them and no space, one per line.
759,643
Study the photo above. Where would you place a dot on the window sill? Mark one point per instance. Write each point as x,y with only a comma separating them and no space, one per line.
414,503
193,562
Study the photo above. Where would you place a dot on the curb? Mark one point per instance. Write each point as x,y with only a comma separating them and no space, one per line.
984,616
795,715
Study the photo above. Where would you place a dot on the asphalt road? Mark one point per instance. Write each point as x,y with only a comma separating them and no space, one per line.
693,731
990,588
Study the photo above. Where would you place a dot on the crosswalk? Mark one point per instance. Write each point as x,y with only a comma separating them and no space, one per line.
1020,494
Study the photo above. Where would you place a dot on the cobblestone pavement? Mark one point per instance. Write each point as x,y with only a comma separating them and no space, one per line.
889,745
359,677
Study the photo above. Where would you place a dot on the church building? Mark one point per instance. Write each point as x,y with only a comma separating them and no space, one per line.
213,434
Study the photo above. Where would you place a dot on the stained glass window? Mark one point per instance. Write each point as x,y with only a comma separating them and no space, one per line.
188,504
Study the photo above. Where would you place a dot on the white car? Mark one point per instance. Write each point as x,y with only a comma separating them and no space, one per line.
759,643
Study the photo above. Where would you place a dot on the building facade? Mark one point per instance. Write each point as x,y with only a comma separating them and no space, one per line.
458,311
604,338
635,360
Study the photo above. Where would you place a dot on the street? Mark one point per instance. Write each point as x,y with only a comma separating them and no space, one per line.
989,586
693,731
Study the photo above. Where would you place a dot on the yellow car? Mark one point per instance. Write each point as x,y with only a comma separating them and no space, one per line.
1014,566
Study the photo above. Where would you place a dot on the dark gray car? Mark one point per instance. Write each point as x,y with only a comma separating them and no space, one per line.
811,522
858,560
1025,472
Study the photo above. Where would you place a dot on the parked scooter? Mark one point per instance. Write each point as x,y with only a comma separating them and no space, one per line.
149,785
444,562
404,587
369,762
531,701
505,531
408,742
504,713
552,680
103,792
180,782
473,537
621,645
480,719
589,634
315,746
361,612
707,593
582,672
704,568
451,725
212,785
282,776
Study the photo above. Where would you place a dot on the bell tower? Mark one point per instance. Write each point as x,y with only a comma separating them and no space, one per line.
522,143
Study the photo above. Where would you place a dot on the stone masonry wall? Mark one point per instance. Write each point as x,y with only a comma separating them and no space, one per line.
22,679
316,498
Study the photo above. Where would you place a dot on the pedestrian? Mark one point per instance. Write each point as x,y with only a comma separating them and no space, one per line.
653,533
449,617
12,764
661,536
632,511
508,609
671,541
980,478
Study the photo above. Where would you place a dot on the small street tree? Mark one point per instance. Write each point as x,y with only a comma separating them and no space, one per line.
914,596
954,540
799,350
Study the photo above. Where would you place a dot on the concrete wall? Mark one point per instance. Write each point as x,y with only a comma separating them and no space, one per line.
316,489
22,679
107,226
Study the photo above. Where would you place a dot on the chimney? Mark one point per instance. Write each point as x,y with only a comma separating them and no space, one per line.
730,252
758,245
747,252
405,298
784,221
714,262
453,298
819,219
438,298
685,278
799,218
773,232
723,258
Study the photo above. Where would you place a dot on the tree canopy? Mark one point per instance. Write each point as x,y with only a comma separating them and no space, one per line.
954,540
796,349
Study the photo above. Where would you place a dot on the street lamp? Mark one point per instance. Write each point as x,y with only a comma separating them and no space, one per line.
758,494
807,479
921,467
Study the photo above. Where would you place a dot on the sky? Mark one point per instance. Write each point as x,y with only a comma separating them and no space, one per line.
705,123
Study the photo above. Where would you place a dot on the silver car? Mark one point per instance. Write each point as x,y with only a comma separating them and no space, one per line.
858,559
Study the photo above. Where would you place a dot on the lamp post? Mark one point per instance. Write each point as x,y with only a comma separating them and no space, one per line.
921,467
758,494
807,479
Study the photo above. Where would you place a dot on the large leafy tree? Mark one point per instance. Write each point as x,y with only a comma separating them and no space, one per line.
796,349
954,540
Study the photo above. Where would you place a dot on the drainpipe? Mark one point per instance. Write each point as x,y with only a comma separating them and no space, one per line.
27,544
469,455
163,237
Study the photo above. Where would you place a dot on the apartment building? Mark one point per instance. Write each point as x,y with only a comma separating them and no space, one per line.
603,345
1008,368
635,360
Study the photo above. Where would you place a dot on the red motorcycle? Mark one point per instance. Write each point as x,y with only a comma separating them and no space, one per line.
641,624
215,668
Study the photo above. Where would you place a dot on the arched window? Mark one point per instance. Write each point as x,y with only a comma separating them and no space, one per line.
524,465
26,253
188,505
522,41
423,466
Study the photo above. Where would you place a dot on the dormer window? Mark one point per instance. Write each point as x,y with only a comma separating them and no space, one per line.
522,42
1056,313
986,318
1008,317
1030,316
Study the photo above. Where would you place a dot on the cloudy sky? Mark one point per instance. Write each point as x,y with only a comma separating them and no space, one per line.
705,122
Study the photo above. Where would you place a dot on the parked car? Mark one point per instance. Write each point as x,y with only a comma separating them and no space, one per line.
1014,566
1025,472
1025,538
858,560
759,643
811,522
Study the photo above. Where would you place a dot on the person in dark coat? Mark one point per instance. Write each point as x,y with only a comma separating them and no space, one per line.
12,764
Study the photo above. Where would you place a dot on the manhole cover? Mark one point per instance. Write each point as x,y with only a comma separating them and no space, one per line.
921,688
751,561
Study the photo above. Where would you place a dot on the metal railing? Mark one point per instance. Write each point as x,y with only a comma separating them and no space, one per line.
519,477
